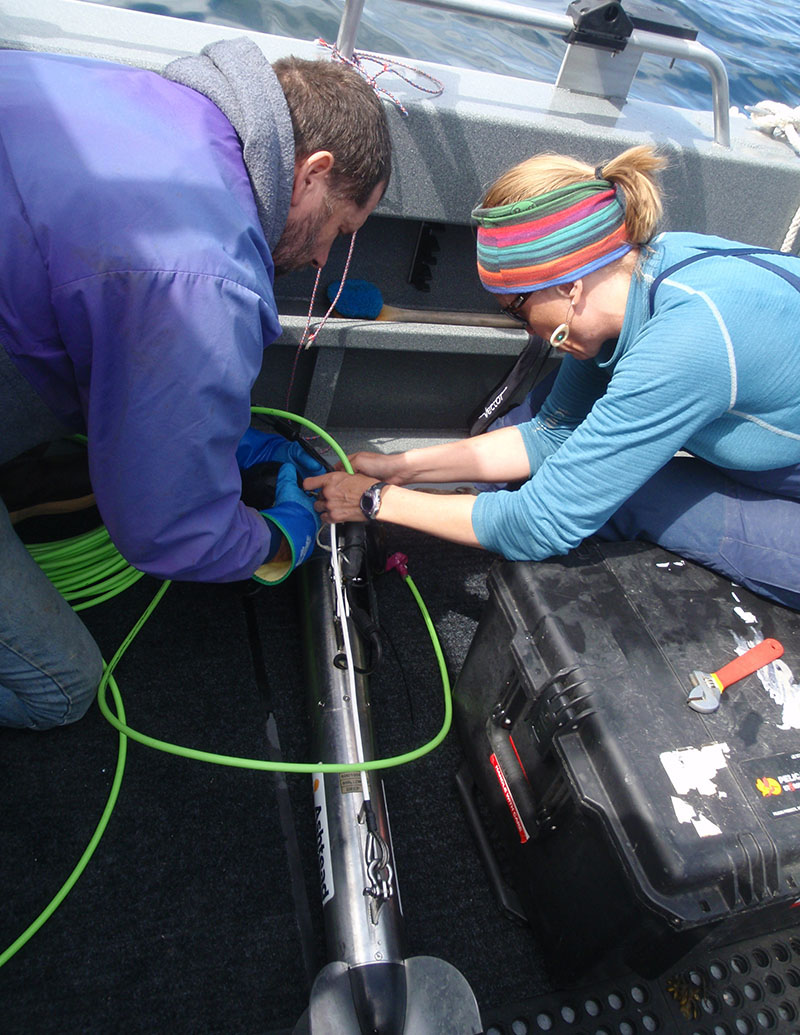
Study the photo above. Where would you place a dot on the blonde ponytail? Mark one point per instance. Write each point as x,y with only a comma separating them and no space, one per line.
633,171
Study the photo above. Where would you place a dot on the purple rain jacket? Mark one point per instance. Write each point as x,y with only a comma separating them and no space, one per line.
136,290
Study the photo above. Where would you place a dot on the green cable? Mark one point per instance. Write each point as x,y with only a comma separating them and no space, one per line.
73,565
62,562
300,767
83,862
311,427
304,767
86,568
113,794
66,562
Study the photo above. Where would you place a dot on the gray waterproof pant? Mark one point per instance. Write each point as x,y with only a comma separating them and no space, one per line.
743,524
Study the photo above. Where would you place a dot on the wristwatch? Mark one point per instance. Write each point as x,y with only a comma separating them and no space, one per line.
370,501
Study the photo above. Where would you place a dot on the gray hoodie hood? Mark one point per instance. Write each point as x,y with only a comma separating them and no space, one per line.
236,76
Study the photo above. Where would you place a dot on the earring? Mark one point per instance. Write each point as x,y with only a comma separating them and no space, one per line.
561,333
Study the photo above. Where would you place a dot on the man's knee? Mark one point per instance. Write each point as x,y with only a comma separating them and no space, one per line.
83,688
51,700
82,695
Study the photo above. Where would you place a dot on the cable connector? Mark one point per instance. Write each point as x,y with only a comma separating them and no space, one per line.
400,561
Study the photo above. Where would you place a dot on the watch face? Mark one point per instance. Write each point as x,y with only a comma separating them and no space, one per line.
367,503
371,501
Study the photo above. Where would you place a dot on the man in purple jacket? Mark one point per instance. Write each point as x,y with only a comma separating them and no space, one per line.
144,219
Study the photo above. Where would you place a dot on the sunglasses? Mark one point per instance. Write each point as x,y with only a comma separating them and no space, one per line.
513,308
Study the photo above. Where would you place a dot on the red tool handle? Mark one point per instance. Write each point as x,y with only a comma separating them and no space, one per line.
749,662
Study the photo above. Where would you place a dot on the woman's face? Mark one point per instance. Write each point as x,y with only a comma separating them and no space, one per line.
546,310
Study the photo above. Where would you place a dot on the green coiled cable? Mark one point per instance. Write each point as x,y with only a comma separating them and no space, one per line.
87,570
303,767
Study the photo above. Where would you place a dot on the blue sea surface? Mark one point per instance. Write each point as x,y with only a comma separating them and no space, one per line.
759,42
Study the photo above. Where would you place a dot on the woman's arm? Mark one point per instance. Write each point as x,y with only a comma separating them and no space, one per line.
497,456
448,517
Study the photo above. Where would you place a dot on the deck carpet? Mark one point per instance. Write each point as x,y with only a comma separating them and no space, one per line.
184,919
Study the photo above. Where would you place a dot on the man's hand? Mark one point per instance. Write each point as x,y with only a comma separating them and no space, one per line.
257,447
293,517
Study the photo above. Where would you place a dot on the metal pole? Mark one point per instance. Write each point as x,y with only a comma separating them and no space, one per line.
368,986
562,24
365,984
690,50
358,933
348,27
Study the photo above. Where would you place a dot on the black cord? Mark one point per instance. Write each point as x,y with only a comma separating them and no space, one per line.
290,431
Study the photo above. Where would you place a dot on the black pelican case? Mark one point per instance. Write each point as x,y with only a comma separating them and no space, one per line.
625,826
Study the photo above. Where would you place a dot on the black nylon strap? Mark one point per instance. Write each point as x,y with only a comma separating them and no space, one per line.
499,398
748,254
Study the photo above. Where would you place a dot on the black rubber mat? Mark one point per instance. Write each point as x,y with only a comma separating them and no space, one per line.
182,922
749,988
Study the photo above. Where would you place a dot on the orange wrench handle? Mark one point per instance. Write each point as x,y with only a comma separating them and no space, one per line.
762,654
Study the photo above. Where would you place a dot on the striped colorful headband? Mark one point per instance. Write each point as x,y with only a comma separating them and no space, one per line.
552,239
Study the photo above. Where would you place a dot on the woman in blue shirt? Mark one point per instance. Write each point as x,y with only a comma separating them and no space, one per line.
673,344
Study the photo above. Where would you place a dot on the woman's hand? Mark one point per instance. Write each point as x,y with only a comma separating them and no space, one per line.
339,494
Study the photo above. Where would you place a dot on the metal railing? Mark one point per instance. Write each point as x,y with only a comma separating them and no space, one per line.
561,25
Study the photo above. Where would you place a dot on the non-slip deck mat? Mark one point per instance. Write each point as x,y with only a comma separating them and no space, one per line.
183,921
742,989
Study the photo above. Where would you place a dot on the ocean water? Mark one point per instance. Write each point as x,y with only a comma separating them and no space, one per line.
759,40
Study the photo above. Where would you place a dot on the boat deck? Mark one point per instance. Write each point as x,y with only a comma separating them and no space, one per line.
185,918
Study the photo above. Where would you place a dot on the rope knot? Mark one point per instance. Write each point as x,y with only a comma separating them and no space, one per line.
360,57
777,120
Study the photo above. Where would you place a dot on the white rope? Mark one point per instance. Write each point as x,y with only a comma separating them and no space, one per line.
343,611
777,120
780,121
791,234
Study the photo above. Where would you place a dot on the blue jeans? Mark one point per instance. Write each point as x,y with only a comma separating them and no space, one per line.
744,525
50,666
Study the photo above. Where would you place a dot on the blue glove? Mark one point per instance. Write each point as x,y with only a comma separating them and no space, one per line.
256,447
293,515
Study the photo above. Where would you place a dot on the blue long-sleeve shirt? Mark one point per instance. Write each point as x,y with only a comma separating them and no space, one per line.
714,370
136,297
